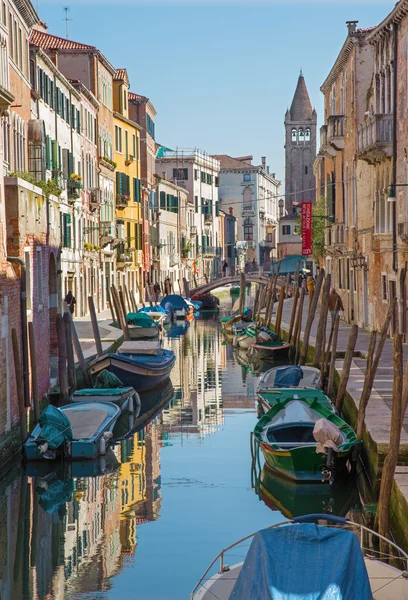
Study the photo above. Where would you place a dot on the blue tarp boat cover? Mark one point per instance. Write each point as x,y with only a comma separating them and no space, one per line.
107,380
303,562
140,319
55,428
288,377
57,494
177,302
157,309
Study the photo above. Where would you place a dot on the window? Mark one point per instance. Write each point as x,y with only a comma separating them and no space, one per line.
301,135
248,230
196,174
127,145
65,230
307,135
217,182
306,170
203,177
11,36
285,229
384,287
27,260
209,179
247,177
134,147
124,99
4,14
196,203
118,138
247,199
294,135
39,276
353,195
150,126
180,174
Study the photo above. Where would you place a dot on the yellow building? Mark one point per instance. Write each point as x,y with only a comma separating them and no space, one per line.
129,259
132,489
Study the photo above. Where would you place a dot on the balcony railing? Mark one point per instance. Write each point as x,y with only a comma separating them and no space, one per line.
174,259
209,251
375,138
96,197
248,210
122,200
267,244
335,131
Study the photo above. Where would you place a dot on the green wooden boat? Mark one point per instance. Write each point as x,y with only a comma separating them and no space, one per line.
285,436
270,350
269,398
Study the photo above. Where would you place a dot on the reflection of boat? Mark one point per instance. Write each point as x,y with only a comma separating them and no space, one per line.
153,402
287,436
234,291
177,306
299,559
126,398
101,465
270,398
289,377
270,350
209,301
142,326
77,431
294,499
142,365
177,329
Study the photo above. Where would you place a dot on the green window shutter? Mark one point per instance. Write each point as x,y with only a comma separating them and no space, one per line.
78,121
139,193
67,231
217,209
54,154
119,191
169,201
203,206
48,152
134,189
176,204
71,164
163,200
62,230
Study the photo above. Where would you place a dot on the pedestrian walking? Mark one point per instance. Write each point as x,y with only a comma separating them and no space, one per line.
167,285
224,268
335,304
70,300
310,284
156,290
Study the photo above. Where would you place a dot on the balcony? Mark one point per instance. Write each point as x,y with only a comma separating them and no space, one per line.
375,138
208,219
123,260
174,259
248,211
122,200
335,131
325,147
193,230
96,198
209,251
267,244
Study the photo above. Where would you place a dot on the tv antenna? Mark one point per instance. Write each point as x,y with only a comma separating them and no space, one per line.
67,20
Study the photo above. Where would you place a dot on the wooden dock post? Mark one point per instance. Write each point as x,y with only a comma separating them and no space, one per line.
275,283
371,370
127,296
310,318
112,310
33,364
326,355
256,301
141,294
333,356
270,303
19,385
321,328
122,302
242,289
78,347
95,328
345,372
261,303
70,353
298,323
62,359
134,303
293,313
278,321
186,288
122,317
390,463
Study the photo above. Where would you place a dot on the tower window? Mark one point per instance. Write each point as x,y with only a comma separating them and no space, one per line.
294,135
307,135
305,170
301,135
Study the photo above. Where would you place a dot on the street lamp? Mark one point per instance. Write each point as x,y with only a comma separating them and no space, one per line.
392,195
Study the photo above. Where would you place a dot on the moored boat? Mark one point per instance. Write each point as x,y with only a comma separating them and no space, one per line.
157,313
209,301
142,365
291,376
342,564
270,350
269,398
252,334
126,397
76,431
142,326
177,306
305,441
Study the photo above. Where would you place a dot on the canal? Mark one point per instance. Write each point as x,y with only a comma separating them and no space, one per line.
144,522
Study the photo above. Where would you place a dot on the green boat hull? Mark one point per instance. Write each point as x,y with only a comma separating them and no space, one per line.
303,463
271,398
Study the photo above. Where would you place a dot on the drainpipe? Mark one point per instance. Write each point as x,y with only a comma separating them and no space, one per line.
394,149
24,336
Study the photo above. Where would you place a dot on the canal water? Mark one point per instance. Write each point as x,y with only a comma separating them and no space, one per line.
144,522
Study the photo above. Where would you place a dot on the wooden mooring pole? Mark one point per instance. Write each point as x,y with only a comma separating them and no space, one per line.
242,290
278,321
19,386
310,318
95,327
298,324
333,356
33,364
122,317
390,463
293,313
321,328
326,357
62,359
70,353
78,347
345,372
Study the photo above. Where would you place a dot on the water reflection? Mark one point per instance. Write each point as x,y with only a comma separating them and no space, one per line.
142,521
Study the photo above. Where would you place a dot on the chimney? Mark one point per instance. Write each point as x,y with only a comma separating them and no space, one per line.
263,162
351,26
231,211
274,175
267,169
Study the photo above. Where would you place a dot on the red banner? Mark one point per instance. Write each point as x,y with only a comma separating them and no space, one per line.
306,228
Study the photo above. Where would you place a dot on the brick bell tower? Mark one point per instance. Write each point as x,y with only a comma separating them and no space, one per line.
300,149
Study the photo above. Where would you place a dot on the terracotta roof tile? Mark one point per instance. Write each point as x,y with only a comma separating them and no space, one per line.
53,42
121,75
230,163
137,97
366,29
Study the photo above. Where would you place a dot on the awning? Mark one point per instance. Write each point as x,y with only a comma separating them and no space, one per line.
289,264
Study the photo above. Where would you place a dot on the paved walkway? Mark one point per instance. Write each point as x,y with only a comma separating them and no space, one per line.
109,335
379,407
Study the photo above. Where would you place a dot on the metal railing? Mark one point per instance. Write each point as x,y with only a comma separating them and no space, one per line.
335,126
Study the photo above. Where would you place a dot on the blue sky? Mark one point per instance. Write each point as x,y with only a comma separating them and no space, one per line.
221,73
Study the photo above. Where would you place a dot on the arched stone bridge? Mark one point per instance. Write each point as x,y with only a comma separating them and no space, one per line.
217,283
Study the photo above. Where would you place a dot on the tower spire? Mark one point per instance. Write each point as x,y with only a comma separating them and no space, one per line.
301,107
